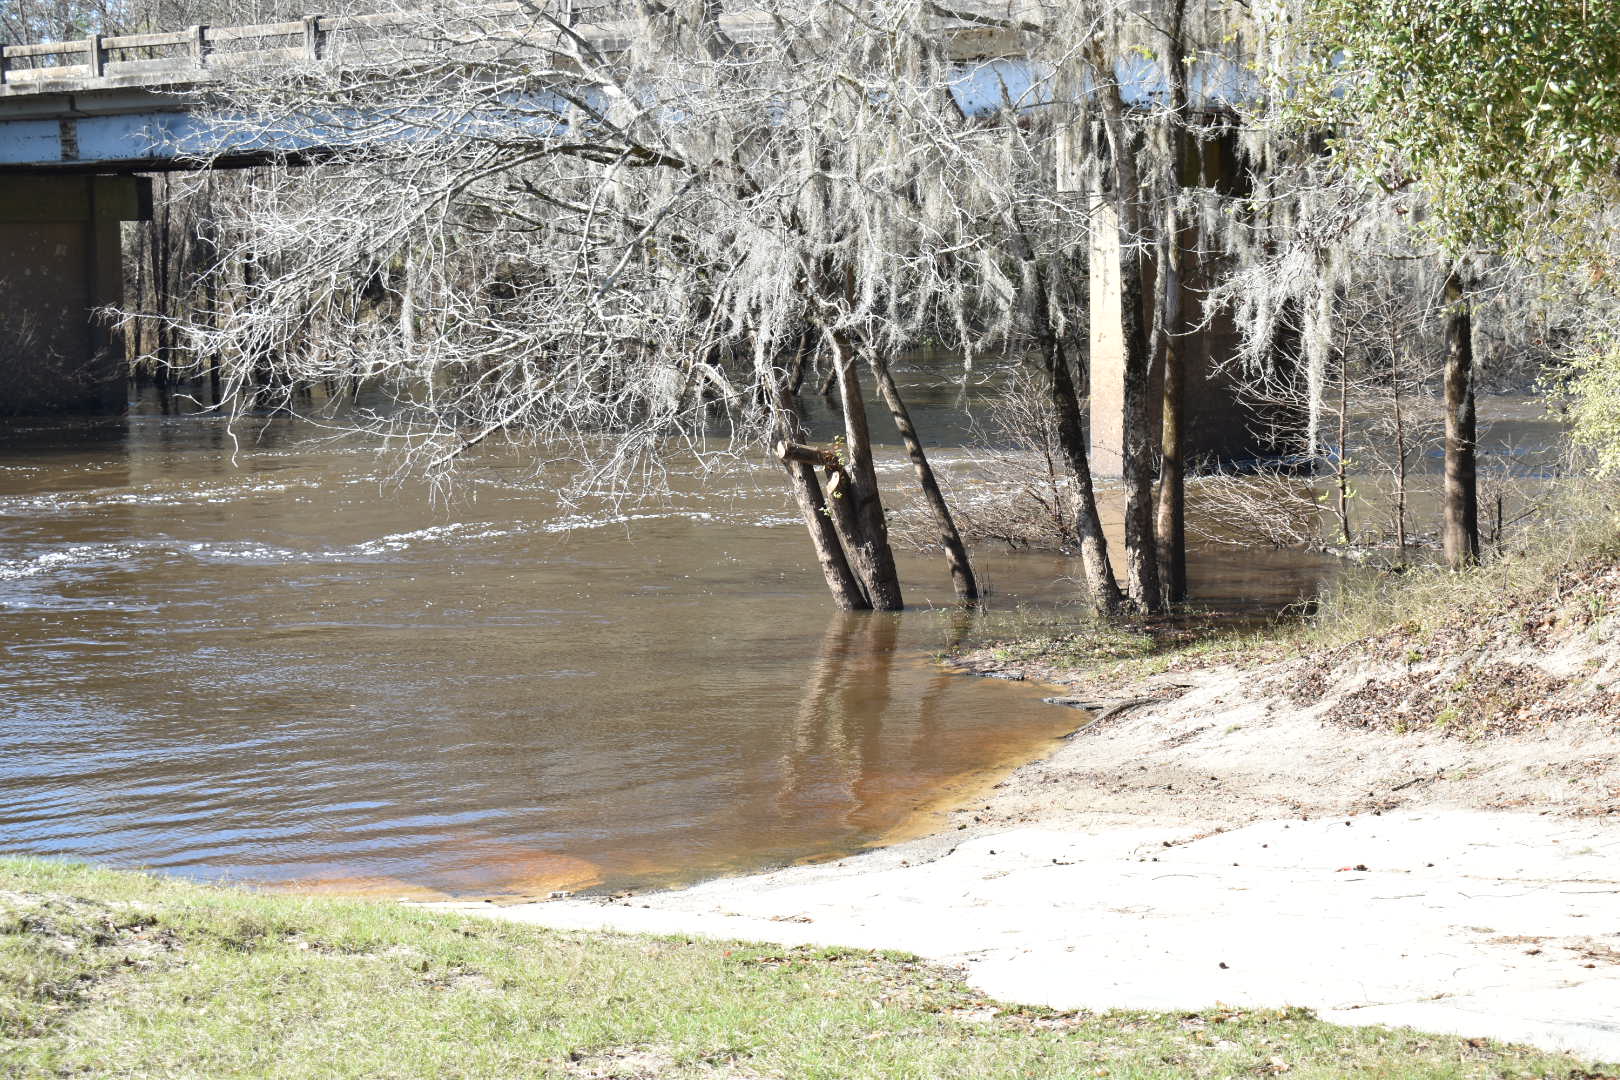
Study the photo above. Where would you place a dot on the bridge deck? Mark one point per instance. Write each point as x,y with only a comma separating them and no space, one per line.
124,102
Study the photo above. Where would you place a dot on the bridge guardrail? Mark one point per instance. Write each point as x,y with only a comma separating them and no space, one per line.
179,55
172,52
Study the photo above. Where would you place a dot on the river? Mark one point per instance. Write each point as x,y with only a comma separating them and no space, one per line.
259,659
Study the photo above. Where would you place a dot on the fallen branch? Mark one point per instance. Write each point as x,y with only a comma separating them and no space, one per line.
808,455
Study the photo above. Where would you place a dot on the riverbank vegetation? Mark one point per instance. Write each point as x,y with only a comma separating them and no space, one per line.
1525,643
129,975
1492,130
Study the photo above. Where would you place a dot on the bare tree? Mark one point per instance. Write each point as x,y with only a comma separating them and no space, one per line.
1018,489
614,227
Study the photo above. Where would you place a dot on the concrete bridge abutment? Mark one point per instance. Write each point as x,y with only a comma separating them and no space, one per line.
60,263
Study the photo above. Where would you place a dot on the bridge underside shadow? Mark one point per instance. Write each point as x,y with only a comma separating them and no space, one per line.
60,262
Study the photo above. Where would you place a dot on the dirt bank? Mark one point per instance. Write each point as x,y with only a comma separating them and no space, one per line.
1508,703
1229,745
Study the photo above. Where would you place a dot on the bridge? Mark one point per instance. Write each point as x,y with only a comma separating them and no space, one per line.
81,120
125,103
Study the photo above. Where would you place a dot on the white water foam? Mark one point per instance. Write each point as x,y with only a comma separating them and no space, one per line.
66,558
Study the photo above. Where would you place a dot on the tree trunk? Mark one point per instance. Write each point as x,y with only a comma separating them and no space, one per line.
1318,349
1071,436
846,590
867,545
1141,560
407,306
1341,462
134,348
956,556
1170,520
1461,528
162,287
841,582
1400,452
207,253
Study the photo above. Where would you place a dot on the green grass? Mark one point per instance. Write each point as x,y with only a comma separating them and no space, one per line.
107,974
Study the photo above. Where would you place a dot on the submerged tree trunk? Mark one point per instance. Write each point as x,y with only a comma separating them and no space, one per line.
841,582
866,532
1461,527
846,590
956,556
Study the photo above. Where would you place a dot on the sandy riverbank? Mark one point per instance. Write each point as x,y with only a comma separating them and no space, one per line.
1223,845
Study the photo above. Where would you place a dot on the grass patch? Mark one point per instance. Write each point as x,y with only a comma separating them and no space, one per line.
112,974
1427,601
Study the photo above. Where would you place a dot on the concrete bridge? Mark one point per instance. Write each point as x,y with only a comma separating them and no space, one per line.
125,103
79,120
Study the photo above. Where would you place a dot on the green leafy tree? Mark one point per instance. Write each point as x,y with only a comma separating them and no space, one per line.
1507,111
1505,115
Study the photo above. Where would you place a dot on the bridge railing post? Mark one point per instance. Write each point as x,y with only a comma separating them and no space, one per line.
96,58
199,45
312,38
5,64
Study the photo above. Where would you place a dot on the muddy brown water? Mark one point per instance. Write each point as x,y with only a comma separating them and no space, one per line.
260,661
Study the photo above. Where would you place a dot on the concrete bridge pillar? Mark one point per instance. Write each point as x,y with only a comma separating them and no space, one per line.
1217,424
60,260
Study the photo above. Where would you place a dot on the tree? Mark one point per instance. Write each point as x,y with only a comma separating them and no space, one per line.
1508,115
1505,110
1143,118
618,235
627,229
27,21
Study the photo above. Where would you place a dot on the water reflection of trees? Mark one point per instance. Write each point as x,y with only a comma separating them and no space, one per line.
842,759
836,735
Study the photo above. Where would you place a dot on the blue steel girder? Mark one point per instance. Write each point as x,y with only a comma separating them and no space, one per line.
115,130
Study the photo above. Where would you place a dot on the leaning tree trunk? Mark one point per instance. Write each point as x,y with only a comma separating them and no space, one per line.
1141,560
841,581
860,518
1461,528
1071,437
956,556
